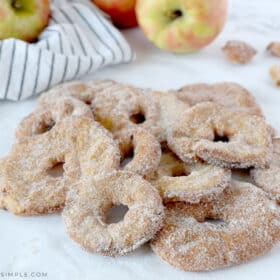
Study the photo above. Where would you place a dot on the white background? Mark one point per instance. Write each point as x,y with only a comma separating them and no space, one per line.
41,244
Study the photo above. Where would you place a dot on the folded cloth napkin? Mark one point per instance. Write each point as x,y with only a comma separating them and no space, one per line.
78,41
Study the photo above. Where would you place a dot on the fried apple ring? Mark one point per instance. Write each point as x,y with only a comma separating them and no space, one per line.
86,206
85,91
122,107
192,183
221,137
76,144
269,179
143,149
44,118
231,95
233,230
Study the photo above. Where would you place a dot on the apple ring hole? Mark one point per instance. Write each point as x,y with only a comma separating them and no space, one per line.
217,222
128,156
242,175
138,117
179,171
56,170
116,214
88,102
46,126
221,138
164,147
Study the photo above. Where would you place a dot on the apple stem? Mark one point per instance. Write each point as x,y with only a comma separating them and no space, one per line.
174,14
15,4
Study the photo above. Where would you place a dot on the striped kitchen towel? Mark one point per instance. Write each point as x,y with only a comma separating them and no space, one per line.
78,41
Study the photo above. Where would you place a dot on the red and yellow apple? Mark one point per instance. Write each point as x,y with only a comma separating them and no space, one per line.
181,26
23,19
122,12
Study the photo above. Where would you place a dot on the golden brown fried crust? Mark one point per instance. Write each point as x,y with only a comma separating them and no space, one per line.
77,143
84,91
193,183
44,118
123,107
231,95
144,149
232,230
221,137
86,207
229,130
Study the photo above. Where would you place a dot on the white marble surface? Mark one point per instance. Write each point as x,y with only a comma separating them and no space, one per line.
40,243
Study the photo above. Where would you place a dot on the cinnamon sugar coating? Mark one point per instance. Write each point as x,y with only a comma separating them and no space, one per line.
221,137
143,148
171,110
232,230
75,143
192,183
231,95
116,106
269,179
239,52
66,132
44,118
84,91
122,107
86,207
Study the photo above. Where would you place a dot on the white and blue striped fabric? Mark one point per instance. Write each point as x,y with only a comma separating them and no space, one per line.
78,41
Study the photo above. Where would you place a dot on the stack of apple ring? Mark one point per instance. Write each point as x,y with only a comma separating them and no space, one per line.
169,157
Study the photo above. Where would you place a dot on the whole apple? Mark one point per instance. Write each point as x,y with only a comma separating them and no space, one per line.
122,12
23,19
181,26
